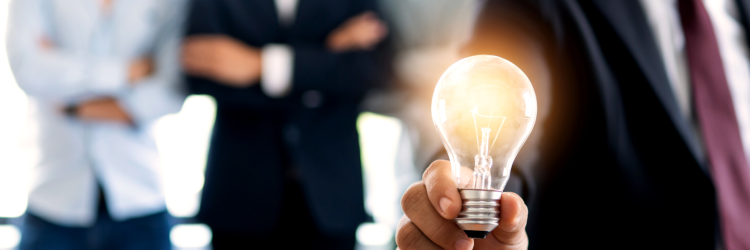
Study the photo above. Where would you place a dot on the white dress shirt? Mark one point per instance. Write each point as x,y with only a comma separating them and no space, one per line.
664,18
278,59
89,57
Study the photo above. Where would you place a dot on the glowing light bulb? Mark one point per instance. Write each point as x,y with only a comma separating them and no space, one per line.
484,108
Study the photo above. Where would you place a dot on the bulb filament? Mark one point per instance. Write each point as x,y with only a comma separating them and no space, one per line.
482,178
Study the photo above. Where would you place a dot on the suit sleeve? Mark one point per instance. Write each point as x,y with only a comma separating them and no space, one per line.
344,75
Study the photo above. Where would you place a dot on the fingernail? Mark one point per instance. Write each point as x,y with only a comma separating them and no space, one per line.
463,245
445,203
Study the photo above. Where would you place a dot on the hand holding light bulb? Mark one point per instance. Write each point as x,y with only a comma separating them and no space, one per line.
431,206
484,108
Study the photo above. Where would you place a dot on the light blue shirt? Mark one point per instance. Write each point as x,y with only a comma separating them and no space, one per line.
91,54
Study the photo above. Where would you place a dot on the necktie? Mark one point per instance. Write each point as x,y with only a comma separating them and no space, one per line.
716,117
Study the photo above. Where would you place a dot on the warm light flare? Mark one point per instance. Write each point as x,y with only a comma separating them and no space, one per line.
484,108
484,93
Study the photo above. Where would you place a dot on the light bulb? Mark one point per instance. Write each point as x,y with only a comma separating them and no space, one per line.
484,108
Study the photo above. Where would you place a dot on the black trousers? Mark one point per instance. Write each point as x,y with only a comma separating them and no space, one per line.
304,235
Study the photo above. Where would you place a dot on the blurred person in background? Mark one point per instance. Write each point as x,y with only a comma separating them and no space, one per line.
284,166
98,74
648,139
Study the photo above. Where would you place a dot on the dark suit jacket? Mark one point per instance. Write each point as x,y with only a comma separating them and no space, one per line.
258,142
621,168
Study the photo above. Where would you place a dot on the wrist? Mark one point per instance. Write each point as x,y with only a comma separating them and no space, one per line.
252,64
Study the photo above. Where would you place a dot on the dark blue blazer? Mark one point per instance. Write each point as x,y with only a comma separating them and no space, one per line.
622,168
258,140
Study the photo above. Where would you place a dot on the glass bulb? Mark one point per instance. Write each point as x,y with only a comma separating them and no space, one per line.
484,108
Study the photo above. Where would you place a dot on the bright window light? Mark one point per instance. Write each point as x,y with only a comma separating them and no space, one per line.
14,151
10,236
183,140
374,234
379,140
190,236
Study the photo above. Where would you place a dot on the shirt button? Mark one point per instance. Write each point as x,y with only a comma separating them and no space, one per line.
312,99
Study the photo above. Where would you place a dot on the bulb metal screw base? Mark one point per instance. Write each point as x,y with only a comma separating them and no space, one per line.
480,212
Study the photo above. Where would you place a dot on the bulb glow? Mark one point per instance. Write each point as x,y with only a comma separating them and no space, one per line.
484,108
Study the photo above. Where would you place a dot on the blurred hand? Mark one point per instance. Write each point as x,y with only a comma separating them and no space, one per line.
361,32
222,59
46,43
431,205
105,109
140,69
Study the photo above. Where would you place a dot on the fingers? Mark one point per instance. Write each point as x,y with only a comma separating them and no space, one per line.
513,216
442,190
409,236
513,213
431,205
363,31
46,43
369,30
511,231
443,232
106,109
140,69
93,110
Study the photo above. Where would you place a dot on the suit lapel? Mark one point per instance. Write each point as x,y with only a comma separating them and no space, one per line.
629,22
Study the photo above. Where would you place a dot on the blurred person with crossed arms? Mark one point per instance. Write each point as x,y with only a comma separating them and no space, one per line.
98,75
288,77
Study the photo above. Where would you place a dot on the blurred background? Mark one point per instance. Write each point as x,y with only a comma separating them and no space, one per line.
618,123
396,142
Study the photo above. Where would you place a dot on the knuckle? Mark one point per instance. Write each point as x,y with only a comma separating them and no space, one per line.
413,196
429,169
408,236
517,239
432,168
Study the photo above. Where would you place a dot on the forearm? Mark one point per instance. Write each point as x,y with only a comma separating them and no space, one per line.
57,75
44,70
162,92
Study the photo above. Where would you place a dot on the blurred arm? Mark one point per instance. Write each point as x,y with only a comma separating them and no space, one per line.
290,69
358,34
205,19
161,93
344,75
346,68
49,72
